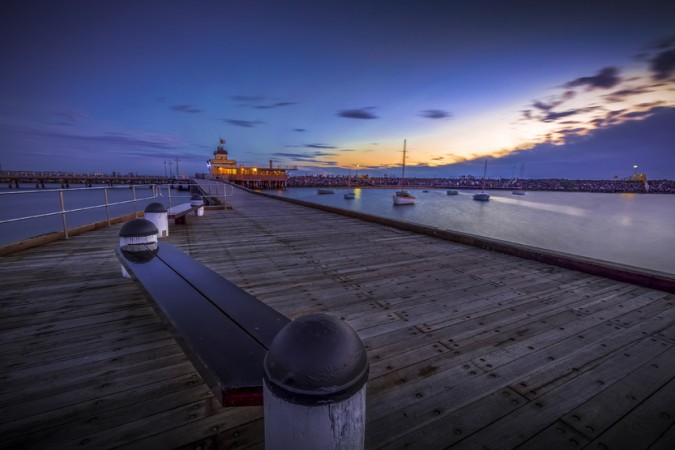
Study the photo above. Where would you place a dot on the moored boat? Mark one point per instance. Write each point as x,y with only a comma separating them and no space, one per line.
482,197
403,197
520,189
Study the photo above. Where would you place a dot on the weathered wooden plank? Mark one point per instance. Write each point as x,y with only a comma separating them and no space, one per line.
615,403
458,423
535,416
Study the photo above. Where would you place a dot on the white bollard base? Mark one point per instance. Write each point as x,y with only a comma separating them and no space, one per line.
161,222
339,425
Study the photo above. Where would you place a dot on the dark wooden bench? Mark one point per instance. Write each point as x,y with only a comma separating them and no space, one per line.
224,330
178,212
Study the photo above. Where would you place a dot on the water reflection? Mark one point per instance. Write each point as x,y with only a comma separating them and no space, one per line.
552,207
631,229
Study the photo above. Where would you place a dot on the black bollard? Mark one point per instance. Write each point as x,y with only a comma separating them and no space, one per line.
315,375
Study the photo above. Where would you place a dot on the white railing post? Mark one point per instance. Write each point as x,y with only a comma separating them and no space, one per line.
314,386
63,215
133,193
107,212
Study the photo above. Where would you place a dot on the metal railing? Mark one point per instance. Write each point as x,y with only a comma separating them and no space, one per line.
160,193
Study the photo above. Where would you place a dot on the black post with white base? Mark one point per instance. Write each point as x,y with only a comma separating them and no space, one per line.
314,389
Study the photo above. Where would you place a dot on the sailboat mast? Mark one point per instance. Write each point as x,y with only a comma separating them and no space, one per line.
484,173
403,169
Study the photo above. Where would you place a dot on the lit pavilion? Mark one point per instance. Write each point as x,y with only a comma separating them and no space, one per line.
221,167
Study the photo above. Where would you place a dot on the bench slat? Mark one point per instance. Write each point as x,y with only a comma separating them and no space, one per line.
258,319
214,343
180,210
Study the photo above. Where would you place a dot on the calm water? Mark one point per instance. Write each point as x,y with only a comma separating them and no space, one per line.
632,229
29,201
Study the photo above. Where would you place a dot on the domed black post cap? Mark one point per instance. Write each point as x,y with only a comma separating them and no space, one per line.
314,360
138,228
155,207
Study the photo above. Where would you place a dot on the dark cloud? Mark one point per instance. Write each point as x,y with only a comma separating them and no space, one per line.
256,102
620,116
542,106
186,108
571,135
243,123
605,79
650,105
664,43
322,146
553,102
553,116
362,113
299,130
326,146
435,114
620,95
608,151
307,157
663,65
638,114
272,105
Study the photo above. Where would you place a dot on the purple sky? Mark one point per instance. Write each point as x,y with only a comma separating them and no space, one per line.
572,89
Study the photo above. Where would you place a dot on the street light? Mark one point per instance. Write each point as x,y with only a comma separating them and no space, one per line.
634,170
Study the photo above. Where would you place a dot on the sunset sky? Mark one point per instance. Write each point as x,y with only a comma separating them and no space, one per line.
570,89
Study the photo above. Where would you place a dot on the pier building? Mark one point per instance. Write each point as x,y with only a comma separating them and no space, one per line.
222,168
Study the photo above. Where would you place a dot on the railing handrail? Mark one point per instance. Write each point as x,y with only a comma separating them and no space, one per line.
156,189
93,188
60,212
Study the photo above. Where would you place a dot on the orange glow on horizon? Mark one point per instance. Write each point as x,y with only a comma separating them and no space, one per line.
498,133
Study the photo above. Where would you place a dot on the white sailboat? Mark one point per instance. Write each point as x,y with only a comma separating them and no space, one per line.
326,190
482,197
403,197
520,190
349,195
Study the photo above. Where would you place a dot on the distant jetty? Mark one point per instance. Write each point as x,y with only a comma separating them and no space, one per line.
15,178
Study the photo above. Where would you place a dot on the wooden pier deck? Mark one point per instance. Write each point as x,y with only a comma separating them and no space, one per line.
468,348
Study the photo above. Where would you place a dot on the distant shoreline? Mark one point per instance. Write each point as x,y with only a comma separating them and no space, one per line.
544,184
